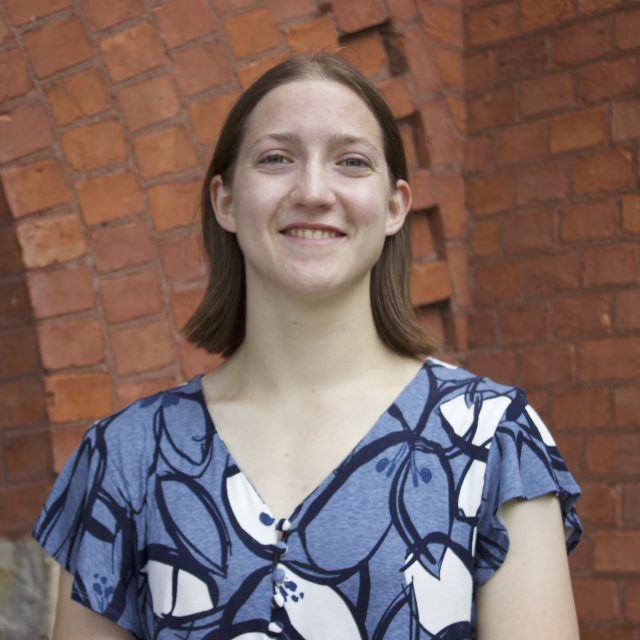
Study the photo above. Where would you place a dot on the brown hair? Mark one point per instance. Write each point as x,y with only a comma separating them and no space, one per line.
218,324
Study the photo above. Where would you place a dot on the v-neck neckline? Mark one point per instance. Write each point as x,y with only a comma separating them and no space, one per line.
327,478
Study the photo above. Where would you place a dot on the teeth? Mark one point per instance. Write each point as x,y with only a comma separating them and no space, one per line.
312,234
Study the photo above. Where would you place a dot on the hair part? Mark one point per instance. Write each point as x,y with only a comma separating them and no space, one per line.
219,323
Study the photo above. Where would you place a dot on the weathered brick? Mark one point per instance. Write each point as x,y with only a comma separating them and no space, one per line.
481,330
612,264
142,348
490,194
589,314
487,25
547,93
577,130
429,283
202,68
452,219
227,6
596,6
10,255
625,121
443,145
78,396
50,241
521,143
55,293
551,273
606,80
616,358
523,324
499,365
581,42
631,214
130,52
313,35
356,16
626,407
442,24
182,259
109,197
414,152
283,10
491,109
535,14
174,204
541,183
485,239
617,551
183,305
251,32
366,53
94,145
101,15
421,61
400,11
166,151
581,408
450,67
27,456
24,11
589,221
478,154
609,634
479,71
180,21
22,403
521,58
34,187
56,46
496,283
529,231
608,170
194,361
70,343
132,296
129,392
546,366
627,309
20,505
632,598
208,116
397,95
77,96
596,600
149,102
14,75
18,353
64,441
627,29
15,308
422,245
422,191
22,131
4,30
121,246
248,73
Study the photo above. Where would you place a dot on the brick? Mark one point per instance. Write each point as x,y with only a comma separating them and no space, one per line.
457,263
587,315
625,121
20,505
78,396
202,68
627,309
414,154
523,324
183,305
24,11
521,58
595,6
452,220
478,154
22,131
121,246
55,293
612,264
422,191
15,308
627,29
521,143
397,95
128,392
18,353
581,408
167,151
491,109
606,80
50,241
536,14
14,75
57,46
208,116
481,330
149,102
430,320
529,232
450,68
547,93
366,53
442,24
313,35
609,634
577,130
27,456
182,259
4,30
490,194
21,403
499,366
632,600
608,170
175,204
130,52
94,145
82,94
34,187
101,15
64,441
10,255
488,25
180,21
421,61
443,145
551,274
626,407
588,221
70,343
479,71
541,183
226,6
251,32
142,348
131,296
248,73
356,16
422,246
581,42
596,600
616,358
617,551
496,283
283,10
194,361
109,197
631,214
458,110
545,366
598,504
401,11
485,239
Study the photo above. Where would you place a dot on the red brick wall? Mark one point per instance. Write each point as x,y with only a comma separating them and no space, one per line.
553,97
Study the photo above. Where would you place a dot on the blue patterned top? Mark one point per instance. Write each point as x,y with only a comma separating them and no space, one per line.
165,535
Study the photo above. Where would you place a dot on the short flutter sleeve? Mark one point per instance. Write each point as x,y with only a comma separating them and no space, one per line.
88,525
523,463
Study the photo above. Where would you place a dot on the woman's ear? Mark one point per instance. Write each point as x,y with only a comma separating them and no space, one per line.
399,207
222,204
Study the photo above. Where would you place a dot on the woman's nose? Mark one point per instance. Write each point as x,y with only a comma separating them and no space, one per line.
313,188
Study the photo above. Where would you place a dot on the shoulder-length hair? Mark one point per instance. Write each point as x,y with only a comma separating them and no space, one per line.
218,324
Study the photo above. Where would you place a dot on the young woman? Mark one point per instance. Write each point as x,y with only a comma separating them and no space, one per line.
325,482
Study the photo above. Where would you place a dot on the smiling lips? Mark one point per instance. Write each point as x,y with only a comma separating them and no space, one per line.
312,232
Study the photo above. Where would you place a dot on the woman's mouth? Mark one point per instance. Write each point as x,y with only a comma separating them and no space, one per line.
311,234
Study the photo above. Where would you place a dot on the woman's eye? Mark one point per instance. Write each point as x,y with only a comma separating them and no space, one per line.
274,158
355,162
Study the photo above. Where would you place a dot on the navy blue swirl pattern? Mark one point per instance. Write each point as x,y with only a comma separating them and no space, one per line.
165,535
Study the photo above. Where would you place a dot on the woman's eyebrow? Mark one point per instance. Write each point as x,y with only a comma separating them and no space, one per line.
335,140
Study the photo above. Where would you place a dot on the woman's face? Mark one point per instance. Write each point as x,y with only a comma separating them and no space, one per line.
311,200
